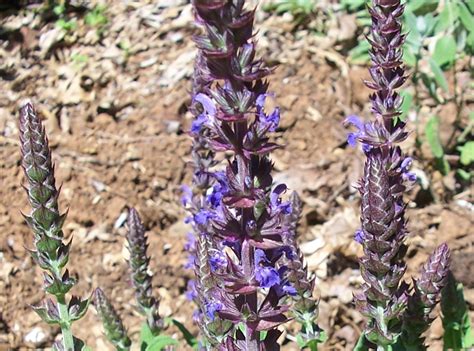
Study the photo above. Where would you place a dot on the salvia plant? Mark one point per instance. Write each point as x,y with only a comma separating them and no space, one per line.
250,275
244,252
397,313
51,253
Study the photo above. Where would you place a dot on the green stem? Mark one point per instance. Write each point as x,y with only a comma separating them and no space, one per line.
68,339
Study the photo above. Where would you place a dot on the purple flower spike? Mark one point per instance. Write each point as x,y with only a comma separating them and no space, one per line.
425,297
236,209
385,297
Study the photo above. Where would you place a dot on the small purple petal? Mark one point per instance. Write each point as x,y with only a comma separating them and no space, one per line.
359,236
352,139
187,196
267,276
211,307
259,256
197,124
191,293
206,103
289,289
406,163
203,216
217,260
355,121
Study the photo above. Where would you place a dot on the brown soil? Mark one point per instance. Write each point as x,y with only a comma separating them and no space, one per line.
117,125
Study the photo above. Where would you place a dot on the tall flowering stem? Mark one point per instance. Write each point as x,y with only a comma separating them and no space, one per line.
427,293
305,306
113,325
141,279
51,253
240,218
383,230
386,176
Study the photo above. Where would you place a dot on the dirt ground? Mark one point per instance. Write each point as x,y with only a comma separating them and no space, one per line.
114,107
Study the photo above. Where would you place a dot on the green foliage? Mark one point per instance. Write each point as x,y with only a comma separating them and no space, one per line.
190,339
150,341
467,153
361,344
66,25
445,51
295,7
432,137
303,11
456,323
97,18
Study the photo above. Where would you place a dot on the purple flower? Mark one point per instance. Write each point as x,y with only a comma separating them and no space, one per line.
266,275
359,236
238,210
275,201
191,293
187,195
405,170
190,244
270,121
353,138
203,216
198,122
190,261
216,194
217,260
208,105
212,306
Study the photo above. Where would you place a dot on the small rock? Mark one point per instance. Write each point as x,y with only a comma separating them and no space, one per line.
172,127
35,336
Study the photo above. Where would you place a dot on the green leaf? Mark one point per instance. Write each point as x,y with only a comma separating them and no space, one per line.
360,54
159,342
432,136
447,17
470,5
470,40
353,5
406,104
59,9
445,50
466,17
80,345
431,84
464,175
467,153
421,7
190,339
409,55
456,323
438,75
361,344
146,335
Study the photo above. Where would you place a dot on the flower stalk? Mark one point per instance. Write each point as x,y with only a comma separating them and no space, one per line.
113,325
141,279
385,297
427,293
51,252
240,217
